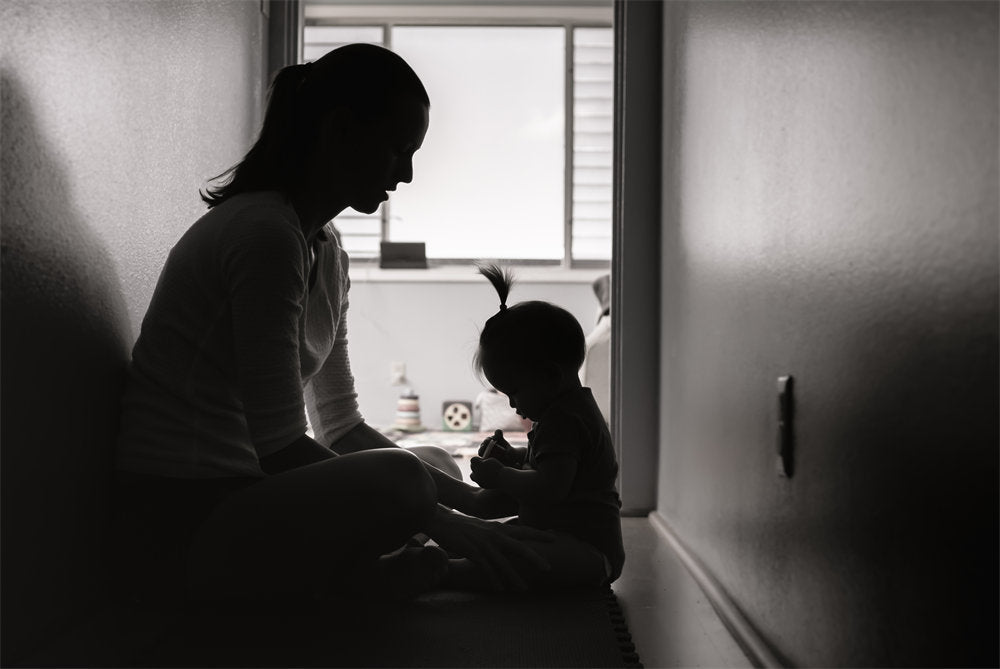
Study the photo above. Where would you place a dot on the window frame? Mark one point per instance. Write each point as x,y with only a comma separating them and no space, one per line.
569,18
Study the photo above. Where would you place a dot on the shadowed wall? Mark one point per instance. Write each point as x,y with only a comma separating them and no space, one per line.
113,113
831,212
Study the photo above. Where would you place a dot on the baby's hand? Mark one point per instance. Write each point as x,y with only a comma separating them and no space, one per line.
498,448
486,472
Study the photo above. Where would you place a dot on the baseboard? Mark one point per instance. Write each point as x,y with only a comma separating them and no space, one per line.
749,640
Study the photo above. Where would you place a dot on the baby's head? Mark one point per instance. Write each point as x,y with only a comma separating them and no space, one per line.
531,352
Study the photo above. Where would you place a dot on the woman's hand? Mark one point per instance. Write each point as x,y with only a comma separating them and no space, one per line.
301,452
498,549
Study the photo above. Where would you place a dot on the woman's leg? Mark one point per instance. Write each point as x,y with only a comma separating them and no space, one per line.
574,563
439,458
364,438
313,530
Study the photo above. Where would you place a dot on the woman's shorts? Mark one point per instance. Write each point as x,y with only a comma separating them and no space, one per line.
155,520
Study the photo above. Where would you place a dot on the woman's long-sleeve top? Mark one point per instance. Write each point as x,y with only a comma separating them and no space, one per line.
245,323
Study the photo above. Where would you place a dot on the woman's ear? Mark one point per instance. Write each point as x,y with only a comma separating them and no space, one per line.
337,125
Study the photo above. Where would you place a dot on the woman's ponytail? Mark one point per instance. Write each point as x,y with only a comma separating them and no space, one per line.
282,125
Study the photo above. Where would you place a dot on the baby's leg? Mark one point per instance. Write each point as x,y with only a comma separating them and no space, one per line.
574,563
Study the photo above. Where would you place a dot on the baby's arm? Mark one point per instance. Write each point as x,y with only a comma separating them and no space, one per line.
549,481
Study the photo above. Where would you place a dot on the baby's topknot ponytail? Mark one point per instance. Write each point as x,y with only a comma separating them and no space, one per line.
501,278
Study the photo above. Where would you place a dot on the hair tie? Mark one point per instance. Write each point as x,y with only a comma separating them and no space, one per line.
503,307
305,69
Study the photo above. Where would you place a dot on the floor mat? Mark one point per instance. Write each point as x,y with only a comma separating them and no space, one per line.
440,629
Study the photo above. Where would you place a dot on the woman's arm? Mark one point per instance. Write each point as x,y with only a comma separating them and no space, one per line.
491,504
263,268
330,396
362,437
301,452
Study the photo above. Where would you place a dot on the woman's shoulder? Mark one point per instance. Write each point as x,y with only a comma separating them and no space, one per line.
261,206
248,226
264,217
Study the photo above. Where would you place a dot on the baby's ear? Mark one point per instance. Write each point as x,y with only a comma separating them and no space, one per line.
553,373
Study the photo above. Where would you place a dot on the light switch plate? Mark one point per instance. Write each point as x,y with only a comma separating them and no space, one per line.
785,437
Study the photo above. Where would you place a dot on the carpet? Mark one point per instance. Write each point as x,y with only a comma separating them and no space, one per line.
458,444
582,628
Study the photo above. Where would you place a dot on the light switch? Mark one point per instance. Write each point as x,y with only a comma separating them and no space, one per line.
785,441
397,373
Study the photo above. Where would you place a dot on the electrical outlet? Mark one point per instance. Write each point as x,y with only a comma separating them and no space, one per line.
397,373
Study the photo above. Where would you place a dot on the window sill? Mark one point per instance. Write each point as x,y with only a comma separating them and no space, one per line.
370,273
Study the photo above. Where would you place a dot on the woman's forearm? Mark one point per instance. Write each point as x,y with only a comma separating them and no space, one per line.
472,500
453,493
303,451
493,504
362,437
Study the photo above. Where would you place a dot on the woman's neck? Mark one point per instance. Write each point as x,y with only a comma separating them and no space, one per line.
312,214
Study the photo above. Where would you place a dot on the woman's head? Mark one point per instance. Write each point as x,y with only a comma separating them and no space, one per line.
366,88
529,351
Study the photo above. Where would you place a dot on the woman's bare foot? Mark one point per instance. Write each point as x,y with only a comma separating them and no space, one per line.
409,572
398,576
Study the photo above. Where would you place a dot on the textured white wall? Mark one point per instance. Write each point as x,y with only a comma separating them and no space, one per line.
112,113
134,105
831,212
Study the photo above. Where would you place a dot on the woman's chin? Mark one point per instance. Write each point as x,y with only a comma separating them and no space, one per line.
369,206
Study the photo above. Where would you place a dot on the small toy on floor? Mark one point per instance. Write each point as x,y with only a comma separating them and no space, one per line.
408,412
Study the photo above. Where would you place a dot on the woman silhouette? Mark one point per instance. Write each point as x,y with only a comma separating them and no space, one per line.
221,492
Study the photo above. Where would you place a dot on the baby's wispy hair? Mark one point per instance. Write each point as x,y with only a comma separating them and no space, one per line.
501,278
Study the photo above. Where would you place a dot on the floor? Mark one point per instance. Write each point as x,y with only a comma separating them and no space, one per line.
671,621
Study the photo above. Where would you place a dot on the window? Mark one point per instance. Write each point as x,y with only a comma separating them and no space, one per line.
517,160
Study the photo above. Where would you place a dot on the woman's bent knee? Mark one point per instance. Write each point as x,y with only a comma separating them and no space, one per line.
407,481
439,458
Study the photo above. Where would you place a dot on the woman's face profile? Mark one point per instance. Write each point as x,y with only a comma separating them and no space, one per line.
380,154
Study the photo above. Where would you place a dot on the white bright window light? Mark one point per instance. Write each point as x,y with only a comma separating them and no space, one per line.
491,180
488,182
